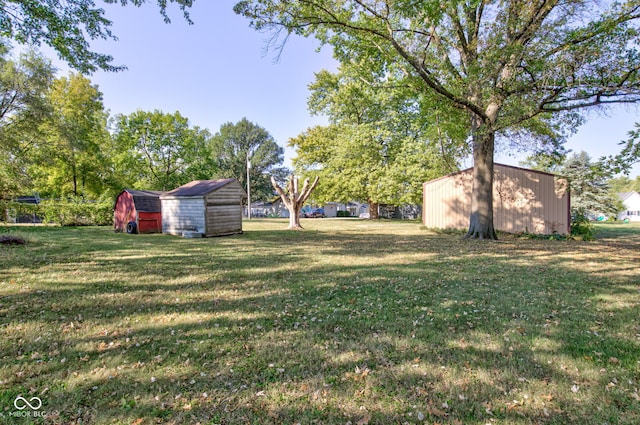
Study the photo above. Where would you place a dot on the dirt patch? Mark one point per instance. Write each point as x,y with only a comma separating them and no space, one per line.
11,240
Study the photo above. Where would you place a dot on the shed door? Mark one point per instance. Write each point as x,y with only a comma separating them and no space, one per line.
149,222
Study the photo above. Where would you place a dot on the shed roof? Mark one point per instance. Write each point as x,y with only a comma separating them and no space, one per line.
152,193
144,200
198,188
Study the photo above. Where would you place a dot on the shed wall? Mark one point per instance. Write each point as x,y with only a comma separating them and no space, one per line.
183,214
523,201
124,211
224,210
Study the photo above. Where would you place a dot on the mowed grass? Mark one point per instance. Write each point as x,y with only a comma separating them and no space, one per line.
346,322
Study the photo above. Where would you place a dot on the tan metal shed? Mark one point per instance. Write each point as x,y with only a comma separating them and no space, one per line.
523,201
204,208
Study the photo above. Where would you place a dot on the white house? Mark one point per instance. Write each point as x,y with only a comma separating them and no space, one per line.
631,201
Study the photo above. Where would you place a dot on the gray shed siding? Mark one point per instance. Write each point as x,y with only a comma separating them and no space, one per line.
208,207
183,214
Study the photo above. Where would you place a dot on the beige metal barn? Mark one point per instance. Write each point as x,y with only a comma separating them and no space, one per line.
203,208
523,201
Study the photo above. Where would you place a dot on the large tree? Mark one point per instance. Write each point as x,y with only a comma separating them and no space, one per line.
68,27
590,190
236,143
68,159
382,141
24,83
161,151
514,67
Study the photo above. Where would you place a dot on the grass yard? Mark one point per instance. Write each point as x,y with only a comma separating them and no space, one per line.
347,322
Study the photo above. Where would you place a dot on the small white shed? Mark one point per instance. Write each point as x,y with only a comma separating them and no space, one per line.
204,207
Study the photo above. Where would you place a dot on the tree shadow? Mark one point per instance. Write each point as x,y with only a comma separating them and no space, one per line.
347,326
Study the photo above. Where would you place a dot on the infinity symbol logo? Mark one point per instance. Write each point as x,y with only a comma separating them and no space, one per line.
22,403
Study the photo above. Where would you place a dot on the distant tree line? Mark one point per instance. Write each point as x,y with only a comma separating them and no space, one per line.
57,140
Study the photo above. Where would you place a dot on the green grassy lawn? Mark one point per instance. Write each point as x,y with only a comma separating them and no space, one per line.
346,322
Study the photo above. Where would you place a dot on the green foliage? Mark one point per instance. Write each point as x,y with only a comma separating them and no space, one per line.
624,184
24,83
233,144
382,143
590,194
64,212
520,71
629,155
581,226
159,151
68,26
69,159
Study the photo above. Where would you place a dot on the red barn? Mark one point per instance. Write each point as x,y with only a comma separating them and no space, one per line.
138,211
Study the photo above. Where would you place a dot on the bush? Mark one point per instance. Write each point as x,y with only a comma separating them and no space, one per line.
77,212
344,214
581,226
69,212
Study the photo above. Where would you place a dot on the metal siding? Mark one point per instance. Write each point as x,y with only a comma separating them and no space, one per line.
523,200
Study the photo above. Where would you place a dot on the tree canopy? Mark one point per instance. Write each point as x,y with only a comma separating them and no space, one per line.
68,158
68,27
161,151
382,142
234,144
516,68
590,191
24,83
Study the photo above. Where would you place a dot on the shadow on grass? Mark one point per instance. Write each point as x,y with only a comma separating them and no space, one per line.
321,326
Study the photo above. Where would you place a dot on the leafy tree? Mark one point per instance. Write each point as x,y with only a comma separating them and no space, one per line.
23,106
235,143
518,69
377,147
156,150
69,158
624,184
589,182
67,26
629,155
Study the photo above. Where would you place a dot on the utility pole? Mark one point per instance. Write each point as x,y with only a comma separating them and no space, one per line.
248,187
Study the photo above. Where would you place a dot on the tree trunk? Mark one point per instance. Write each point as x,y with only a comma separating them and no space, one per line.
374,210
481,219
294,218
294,199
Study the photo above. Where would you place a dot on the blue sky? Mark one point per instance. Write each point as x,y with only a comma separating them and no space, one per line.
217,71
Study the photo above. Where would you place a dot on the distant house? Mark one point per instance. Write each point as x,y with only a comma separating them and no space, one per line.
203,208
631,201
523,201
138,211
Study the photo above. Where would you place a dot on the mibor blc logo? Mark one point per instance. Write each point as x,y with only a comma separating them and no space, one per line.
27,407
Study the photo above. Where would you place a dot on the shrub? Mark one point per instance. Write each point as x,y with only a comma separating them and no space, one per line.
77,212
581,226
69,212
